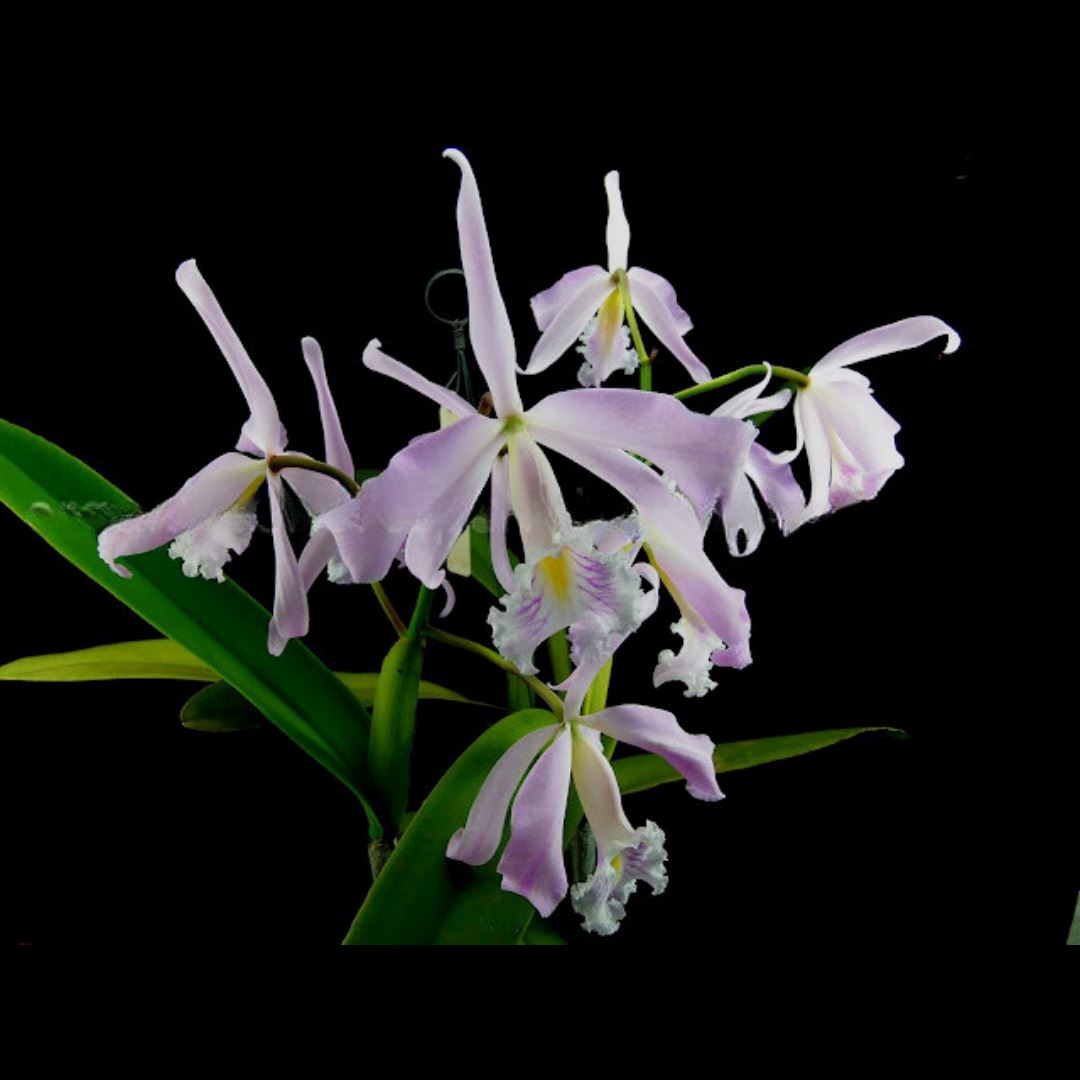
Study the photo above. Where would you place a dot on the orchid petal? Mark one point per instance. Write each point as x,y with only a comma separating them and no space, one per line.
658,732
777,484
317,553
500,509
438,527
548,304
581,292
653,308
665,291
479,839
598,790
618,228
742,518
532,864
812,430
318,492
535,496
371,528
895,337
745,402
290,598
489,325
263,431
335,447
210,492
704,455
377,360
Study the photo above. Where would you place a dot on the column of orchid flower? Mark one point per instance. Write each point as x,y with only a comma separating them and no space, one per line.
597,580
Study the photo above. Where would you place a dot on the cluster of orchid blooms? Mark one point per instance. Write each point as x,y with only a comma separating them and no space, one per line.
674,466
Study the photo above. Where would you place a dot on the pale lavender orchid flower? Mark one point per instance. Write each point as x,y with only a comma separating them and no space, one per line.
850,439
532,864
586,303
425,495
770,473
213,513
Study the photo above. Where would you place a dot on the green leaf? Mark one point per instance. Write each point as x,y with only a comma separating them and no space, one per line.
538,932
421,896
156,659
220,708
1074,930
393,718
639,772
67,504
160,658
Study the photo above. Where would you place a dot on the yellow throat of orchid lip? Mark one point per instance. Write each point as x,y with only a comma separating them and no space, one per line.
608,320
555,571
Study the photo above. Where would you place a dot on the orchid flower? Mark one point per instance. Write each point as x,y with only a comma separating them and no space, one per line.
588,303
770,473
425,495
532,863
850,439
213,513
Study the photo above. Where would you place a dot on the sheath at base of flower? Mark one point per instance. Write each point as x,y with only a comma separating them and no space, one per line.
850,439
213,515
586,303
532,864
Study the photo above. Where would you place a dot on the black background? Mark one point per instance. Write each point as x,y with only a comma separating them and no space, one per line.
784,233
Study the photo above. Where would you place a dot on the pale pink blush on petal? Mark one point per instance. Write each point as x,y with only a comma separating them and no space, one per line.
565,326
479,839
657,316
895,337
263,431
334,445
658,732
532,864
665,292
489,325
290,599
371,528
376,360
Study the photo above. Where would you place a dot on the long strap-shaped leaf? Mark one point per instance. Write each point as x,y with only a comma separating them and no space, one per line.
68,503
639,772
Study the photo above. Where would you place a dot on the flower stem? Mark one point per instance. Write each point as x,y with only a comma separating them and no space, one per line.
542,690
791,374
389,610
277,462
635,334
